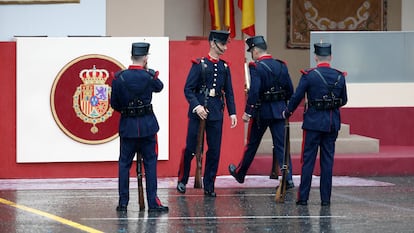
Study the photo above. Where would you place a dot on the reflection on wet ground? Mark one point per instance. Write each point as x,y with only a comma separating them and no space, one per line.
383,204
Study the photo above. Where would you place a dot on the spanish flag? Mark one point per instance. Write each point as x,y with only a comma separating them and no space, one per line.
247,8
215,14
229,17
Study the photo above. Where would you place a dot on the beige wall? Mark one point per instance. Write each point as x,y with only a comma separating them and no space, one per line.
177,27
135,18
394,15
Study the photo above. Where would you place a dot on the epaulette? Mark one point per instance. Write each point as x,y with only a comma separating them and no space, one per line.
306,71
116,75
226,64
252,64
283,62
344,73
196,60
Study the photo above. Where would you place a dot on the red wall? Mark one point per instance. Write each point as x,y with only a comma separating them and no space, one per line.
7,106
393,126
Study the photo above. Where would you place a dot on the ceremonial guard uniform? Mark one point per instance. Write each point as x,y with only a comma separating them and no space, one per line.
131,96
270,88
325,90
208,84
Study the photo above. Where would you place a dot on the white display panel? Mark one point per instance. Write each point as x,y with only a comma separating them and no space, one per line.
39,60
379,66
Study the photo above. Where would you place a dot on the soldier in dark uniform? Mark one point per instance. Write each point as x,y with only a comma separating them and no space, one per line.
325,90
208,85
270,88
131,96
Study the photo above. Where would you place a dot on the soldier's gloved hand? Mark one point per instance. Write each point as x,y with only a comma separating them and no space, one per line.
233,121
201,112
246,117
286,114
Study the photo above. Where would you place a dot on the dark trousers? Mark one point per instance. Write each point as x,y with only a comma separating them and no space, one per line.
256,130
213,134
312,140
129,147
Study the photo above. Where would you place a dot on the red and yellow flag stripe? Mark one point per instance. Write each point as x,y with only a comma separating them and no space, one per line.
229,17
248,17
215,14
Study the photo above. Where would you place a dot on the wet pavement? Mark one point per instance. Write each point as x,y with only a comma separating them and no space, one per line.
367,204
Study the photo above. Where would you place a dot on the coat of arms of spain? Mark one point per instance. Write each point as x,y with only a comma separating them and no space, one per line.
91,99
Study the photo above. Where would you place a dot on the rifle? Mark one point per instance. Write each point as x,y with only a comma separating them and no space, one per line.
199,153
139,180
281,189
200,133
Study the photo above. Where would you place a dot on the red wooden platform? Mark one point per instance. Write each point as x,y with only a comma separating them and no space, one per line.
390,161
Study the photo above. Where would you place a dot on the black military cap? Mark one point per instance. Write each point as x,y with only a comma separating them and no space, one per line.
219,36
140,49
322,49
258,41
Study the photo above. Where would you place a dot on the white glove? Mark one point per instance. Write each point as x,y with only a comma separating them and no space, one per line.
233,121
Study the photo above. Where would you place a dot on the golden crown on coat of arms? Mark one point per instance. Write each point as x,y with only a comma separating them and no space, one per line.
94,76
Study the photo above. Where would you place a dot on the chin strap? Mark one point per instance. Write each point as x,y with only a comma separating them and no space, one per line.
218,47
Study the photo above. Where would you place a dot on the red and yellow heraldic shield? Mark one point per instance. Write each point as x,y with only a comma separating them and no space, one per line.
80,99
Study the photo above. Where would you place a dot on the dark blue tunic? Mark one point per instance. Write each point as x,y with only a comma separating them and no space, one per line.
217,81
320,126
266,74
137,133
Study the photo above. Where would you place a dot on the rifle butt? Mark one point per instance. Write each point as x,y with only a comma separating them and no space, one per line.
281,190
197,183
141,198
197,178
140,186
199,154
